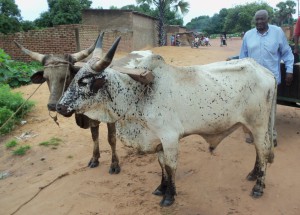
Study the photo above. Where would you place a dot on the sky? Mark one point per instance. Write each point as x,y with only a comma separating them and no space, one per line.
31,11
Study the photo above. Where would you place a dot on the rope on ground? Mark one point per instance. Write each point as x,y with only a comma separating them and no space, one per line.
41,188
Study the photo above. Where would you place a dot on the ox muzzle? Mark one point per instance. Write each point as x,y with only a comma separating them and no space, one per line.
63,110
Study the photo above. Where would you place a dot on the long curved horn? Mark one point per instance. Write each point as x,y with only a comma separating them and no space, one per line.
98,49
104,62
34,55
84,53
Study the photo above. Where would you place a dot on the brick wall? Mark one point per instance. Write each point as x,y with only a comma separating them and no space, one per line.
61,40
137,31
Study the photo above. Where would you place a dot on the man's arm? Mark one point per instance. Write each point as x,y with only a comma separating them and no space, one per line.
244,49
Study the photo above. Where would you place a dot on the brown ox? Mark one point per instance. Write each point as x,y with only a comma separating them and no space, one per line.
59,70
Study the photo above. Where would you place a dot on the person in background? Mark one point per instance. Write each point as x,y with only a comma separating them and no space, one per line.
296,40
268,45
172,40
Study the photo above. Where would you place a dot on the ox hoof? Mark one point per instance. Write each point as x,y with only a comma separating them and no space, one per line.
167,201
114,169
159,191
93,163
257,191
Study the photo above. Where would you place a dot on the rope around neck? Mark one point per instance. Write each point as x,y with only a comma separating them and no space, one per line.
55,118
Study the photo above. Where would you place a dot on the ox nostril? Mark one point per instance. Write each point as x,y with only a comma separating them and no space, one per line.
58,107
51,107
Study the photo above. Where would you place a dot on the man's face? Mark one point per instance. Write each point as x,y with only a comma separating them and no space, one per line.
261,22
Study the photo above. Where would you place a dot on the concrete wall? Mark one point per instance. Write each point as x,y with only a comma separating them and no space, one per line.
140,26
144,32
108,19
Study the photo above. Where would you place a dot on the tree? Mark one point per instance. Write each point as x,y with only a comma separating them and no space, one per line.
27,25
10,17
171,17
198,24
283,15
62,12
240,18
162,7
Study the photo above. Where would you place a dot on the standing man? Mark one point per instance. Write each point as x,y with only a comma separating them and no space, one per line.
296,39
267,45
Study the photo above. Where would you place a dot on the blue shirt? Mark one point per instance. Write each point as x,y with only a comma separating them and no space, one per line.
268,49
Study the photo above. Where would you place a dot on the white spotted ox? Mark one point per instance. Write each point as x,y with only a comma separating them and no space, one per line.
209,100
59,70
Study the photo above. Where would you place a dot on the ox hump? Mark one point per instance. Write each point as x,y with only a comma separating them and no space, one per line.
140,59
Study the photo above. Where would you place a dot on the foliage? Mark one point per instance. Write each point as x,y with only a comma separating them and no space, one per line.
240,18
198,24
27,25
9,103
162,7
16,73
54,141
10,17
11,144
5,114
283,15
21,150
171,16
62,12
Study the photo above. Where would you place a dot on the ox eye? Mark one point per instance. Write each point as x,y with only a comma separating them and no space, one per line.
83,82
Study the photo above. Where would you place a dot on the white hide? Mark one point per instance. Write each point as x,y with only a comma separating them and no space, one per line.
207,99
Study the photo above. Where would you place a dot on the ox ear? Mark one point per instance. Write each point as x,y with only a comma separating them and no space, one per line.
38,77
105,62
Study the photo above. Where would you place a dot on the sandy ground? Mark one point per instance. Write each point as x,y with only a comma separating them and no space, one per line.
57,181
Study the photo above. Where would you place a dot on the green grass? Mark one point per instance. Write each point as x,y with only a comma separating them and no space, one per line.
9,104
21,150
54,141
11,144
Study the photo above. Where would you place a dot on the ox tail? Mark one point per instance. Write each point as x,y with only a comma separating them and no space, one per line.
271,125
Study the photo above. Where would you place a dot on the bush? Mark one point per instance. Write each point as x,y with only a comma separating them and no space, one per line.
15,73
9,103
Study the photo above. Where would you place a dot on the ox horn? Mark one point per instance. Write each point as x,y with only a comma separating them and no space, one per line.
98,49
34,55
84,53
105,61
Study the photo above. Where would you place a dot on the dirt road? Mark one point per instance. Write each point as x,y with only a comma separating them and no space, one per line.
57,181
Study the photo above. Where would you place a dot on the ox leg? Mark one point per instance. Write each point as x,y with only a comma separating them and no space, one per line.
252,176
114,167
94,162
170,156
263,153
161,189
